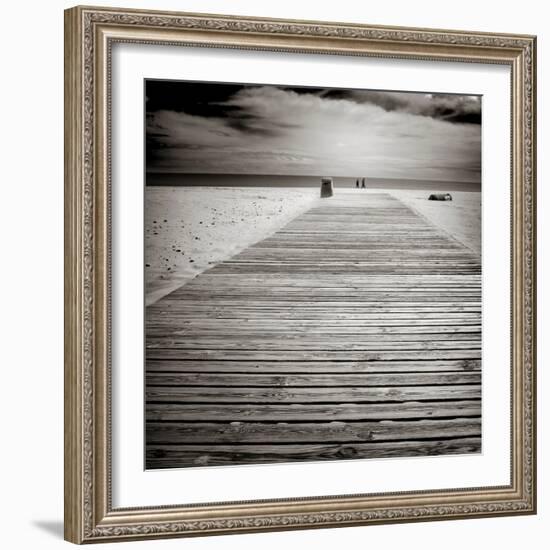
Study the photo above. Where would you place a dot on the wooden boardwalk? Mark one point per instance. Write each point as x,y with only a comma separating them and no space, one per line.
353,332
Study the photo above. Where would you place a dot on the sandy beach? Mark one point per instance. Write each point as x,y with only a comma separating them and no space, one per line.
190,229
460,218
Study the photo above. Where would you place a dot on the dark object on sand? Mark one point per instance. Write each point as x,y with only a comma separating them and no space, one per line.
326,187
440,197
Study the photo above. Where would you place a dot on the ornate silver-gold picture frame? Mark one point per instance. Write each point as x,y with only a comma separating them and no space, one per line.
91,514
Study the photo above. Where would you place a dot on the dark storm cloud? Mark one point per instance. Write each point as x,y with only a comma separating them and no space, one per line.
194,98
215,100
283,130
209,101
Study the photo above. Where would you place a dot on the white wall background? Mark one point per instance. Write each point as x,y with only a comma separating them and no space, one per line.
31,215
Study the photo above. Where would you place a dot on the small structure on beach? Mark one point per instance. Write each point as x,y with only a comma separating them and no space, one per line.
327,188
440,197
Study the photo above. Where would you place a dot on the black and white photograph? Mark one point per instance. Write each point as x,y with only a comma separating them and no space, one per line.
312,271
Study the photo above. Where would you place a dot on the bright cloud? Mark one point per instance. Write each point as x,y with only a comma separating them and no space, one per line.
269,130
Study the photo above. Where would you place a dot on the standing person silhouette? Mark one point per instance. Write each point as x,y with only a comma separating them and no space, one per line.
357,184
363,184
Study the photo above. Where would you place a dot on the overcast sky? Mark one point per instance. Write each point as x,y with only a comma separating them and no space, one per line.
234,129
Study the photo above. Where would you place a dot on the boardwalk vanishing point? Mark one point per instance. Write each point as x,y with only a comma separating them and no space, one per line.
352,332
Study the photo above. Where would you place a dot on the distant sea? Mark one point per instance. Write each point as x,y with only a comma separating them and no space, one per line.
172,179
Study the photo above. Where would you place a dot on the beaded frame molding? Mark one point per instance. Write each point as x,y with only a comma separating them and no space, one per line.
89,36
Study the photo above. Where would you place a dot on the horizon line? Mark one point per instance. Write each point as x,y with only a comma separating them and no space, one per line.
176,172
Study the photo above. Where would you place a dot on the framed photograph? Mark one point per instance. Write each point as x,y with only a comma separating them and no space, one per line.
300,274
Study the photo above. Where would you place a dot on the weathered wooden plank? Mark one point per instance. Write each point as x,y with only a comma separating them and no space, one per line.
351,257
299,432
312,367
309,344
314,245
311,380
331,299
355,257
348,292
311,355
215,412
170,456
337,314
350,339
326,304
313,327
321,318
346,279
320,326
209,394
306,282
319,266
